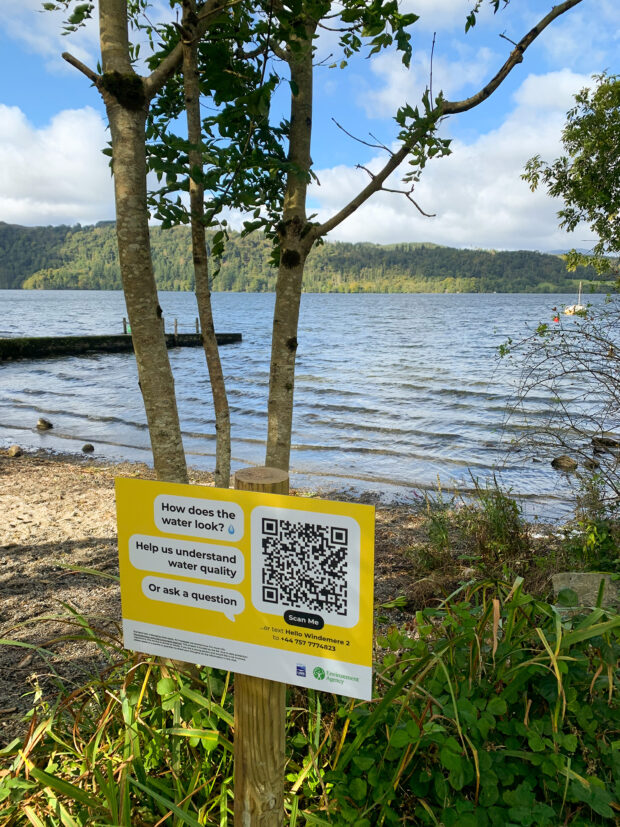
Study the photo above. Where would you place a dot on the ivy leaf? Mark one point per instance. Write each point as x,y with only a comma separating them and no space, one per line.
497,706
358,788
364,762
165,686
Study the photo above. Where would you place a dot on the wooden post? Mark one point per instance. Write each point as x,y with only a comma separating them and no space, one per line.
176,327
260,707
124,325
197,325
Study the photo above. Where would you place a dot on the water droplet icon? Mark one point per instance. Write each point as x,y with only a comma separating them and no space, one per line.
231,529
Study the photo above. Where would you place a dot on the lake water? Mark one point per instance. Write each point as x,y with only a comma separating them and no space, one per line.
392,391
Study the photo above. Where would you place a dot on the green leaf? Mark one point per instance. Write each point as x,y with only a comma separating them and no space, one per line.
209,737
400,738
457,777
497,706
536,743
358,788
587,634
568,597
364,762
166,686
65,788
183,817
450,760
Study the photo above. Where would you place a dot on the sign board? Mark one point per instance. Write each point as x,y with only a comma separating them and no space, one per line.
272,586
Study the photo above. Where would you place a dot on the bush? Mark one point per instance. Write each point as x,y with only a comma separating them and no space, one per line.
494,710
497,711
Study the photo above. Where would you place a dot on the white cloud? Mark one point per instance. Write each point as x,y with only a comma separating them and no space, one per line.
41,33
400,85
442,15
552,92
56,174
590,39
477,192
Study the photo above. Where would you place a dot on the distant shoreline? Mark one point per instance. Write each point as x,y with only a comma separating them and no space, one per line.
598,292
87,258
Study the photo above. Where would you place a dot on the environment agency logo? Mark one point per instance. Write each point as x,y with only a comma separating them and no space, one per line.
318,673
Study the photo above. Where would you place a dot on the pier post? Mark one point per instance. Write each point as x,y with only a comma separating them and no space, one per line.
197,325
124,325
260,707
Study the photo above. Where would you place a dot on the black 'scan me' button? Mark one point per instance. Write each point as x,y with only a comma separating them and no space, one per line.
305,619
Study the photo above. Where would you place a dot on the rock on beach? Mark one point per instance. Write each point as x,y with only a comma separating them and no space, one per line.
564,463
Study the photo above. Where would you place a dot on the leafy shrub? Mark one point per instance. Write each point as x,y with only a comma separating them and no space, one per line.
147,743
493,525
496,711
596,546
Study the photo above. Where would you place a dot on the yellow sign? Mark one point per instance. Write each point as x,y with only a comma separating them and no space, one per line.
272,586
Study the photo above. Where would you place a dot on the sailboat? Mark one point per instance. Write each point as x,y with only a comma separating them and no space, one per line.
572,309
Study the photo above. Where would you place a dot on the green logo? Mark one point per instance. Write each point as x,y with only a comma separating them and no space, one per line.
318,673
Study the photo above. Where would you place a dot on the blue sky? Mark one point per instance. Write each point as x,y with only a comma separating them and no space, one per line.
52,123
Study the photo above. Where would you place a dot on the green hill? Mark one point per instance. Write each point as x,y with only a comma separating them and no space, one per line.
86,258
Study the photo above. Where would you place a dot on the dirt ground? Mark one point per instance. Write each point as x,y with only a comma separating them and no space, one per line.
58,513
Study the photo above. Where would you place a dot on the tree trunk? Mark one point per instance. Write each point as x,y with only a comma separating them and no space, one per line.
191,86
126,106
295,244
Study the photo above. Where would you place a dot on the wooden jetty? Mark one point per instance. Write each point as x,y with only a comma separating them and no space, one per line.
38,347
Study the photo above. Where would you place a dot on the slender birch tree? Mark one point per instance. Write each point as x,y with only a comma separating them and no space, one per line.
289,31
127,97
191,87
419,142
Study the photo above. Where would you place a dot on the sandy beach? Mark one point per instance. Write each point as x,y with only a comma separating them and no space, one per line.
58,513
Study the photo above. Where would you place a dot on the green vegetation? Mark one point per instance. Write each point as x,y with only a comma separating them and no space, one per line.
86,258
487,538
493,707
586,176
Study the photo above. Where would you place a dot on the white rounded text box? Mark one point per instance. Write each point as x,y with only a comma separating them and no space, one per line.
195,595
223,564
211,519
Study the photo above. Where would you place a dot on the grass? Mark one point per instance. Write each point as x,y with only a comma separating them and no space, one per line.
492,707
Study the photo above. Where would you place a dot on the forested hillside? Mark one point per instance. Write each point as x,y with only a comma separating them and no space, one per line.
86,258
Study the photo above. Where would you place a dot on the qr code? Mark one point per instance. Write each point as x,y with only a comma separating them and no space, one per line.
306,561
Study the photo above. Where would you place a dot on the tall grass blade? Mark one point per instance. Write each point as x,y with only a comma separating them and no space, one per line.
578,635
32,817
206,703
184,818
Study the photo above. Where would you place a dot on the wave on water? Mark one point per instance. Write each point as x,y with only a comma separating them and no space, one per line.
403,397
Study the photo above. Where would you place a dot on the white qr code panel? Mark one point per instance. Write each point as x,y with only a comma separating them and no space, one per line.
306,561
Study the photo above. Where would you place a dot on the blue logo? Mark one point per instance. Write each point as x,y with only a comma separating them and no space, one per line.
301,670
231,529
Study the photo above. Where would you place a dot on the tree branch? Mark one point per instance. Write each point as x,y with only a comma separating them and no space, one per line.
359,140
172,62
444,108
407,193
516,56
93,76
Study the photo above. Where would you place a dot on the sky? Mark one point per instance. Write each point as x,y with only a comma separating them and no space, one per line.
53,127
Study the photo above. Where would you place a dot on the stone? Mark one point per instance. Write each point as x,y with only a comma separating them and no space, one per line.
15,451
44,425
564,463
586,585
606,442
88,448
592,464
